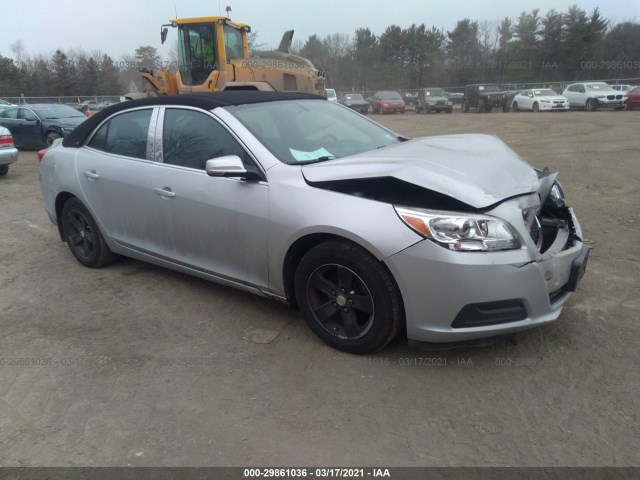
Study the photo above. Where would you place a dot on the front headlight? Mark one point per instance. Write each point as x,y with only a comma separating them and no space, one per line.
461,231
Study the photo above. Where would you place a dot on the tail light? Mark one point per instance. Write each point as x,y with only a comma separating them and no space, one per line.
6,141
41,154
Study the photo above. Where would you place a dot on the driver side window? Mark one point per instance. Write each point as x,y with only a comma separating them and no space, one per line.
190,138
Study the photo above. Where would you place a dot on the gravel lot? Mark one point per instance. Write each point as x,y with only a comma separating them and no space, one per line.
138,365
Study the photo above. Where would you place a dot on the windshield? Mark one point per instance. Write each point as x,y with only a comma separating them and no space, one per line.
435,92
390,96
547,92
488,88
354,97
305,131
57,111
597,86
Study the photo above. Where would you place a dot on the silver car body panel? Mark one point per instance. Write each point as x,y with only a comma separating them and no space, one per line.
479,170
238,233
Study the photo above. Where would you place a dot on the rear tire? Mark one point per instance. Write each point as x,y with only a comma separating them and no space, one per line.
515,107
347,297
84,237
4,169
465,107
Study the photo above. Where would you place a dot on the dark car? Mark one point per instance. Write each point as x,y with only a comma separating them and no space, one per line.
409,98
356,102
455,97
37,126
485,97
387,102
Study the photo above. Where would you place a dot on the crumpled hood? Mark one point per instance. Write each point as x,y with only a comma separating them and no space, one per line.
479,170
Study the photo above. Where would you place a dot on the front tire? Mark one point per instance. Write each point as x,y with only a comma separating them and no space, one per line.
347,297
535,107
51,137
481,106
84,237
515,107
591,105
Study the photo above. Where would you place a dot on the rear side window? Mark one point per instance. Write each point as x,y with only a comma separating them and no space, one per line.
125,134
9,113
191,138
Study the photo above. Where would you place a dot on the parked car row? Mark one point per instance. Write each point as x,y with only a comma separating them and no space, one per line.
486,97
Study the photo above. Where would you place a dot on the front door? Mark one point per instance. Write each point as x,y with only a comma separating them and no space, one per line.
212,224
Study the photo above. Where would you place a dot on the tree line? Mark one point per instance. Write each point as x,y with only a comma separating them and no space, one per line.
72,72
533,48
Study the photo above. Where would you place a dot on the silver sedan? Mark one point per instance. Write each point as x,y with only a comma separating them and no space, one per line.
305,201
8,151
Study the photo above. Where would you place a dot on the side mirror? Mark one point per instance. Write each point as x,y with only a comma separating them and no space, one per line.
227,166
163,34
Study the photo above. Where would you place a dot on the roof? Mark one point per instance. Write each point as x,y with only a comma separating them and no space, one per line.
205,101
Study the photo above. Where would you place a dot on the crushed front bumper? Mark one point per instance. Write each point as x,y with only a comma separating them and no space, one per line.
458,296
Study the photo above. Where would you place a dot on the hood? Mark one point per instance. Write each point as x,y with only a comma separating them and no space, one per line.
71,122
559,98
479,170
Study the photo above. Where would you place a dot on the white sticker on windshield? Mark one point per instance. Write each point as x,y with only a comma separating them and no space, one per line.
306,156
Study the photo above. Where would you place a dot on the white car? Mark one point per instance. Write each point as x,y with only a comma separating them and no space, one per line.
330,93
594,95
539,99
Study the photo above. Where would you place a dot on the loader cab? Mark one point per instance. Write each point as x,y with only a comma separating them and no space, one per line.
207,45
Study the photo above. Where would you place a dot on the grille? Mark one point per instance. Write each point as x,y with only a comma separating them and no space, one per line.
611,97
618,97
440,103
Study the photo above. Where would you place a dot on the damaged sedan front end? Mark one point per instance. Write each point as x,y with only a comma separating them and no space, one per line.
501,251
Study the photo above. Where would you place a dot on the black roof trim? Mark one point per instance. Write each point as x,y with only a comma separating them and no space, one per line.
205,101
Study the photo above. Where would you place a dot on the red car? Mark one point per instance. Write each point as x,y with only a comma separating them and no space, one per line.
387,102
633,99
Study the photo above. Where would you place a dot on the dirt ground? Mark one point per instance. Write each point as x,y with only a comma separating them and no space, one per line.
138,365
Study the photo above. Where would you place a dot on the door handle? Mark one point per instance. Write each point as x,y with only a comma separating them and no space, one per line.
91,175
164,192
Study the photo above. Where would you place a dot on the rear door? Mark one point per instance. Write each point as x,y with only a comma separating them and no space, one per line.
213,224
113,169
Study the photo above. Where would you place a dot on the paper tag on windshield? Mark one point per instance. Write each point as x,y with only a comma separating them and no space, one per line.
306,156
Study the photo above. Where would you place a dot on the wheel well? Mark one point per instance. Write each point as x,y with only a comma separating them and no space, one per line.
61,199
298,250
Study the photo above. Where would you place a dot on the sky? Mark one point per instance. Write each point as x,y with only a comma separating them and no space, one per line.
118,27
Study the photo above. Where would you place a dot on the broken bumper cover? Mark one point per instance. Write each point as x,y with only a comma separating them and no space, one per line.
458,296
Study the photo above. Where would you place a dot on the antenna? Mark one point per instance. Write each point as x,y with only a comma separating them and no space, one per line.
219,8
175,9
